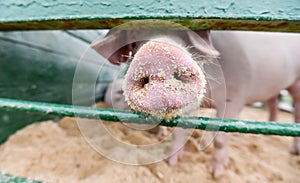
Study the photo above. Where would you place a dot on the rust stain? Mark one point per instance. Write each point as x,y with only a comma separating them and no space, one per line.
218,24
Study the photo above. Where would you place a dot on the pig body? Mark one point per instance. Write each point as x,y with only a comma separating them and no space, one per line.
255,65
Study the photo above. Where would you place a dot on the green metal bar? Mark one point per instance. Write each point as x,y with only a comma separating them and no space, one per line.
271,15
226,125
7,178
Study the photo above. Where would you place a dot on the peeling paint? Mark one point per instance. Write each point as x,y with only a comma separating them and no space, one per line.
75,14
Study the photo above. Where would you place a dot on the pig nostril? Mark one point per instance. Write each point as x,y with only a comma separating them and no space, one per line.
144,81
176,76
183,77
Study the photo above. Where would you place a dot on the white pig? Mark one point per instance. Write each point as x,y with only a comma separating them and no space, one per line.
256,66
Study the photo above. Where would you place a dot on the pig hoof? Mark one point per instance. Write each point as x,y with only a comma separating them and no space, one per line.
217,168
173,160
296,146
295,151
175,157
217,171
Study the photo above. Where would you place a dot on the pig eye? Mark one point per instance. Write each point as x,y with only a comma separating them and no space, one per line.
133,45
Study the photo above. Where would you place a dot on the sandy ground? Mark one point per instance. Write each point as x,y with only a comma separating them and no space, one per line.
56,152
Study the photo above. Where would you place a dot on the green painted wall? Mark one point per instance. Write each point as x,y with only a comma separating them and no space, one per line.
205,14
40,66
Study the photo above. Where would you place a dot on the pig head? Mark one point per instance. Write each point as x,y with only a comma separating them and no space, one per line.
161,69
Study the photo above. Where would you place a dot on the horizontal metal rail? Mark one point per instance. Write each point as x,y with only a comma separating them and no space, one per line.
8,178
267,15
226,125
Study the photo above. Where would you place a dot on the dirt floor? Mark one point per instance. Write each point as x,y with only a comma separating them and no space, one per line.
56,152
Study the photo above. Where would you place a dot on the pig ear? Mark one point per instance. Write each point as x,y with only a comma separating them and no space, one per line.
202,42
109,46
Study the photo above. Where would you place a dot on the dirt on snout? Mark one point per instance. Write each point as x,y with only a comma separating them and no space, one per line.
57,152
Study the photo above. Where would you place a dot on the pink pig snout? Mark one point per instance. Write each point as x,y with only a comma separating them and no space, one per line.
162,79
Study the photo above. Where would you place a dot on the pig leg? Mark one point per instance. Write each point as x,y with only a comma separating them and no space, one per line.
180,136
273,108
177,147
220,156
295,92
221,142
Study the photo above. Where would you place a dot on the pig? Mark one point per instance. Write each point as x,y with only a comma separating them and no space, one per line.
255,65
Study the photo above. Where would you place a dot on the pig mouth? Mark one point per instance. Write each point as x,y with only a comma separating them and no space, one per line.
163,85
